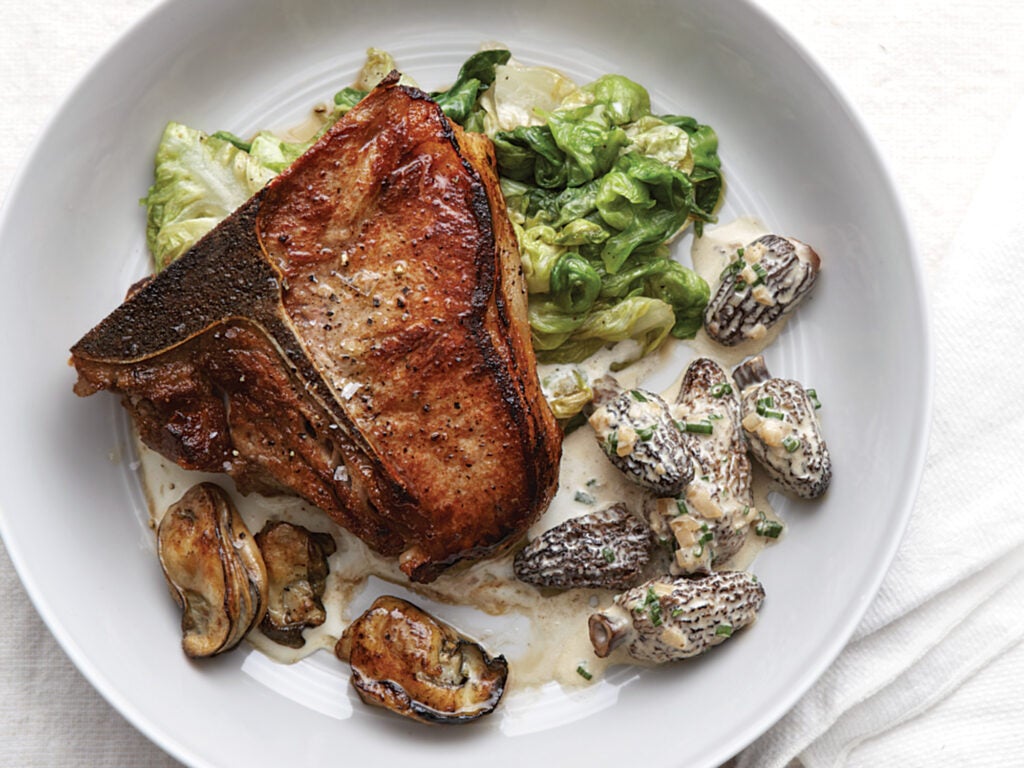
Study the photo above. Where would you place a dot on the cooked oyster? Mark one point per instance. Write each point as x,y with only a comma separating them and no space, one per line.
608,548
637,433
768,279
782,430
297,569
214,569
709,522
670,619
405,660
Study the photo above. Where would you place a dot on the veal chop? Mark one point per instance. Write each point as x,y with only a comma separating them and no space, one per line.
355,334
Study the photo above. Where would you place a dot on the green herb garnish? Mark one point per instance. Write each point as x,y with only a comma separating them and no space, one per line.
646,433
770,529
721,389
724,630
611,443
653,607
700,427
766,407
582,672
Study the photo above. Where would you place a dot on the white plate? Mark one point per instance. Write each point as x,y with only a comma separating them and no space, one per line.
71,241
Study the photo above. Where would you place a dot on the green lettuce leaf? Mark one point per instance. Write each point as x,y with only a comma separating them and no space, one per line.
459,101
199,180
624,100
562,338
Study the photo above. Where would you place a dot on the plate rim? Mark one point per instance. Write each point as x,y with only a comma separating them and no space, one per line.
167,741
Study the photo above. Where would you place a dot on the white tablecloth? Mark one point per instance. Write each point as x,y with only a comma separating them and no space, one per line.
938,83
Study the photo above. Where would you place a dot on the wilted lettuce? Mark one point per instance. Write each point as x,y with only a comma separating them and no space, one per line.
199,180
567,392
459,101
597,189
559,337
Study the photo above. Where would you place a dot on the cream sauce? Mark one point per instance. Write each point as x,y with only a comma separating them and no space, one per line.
545,636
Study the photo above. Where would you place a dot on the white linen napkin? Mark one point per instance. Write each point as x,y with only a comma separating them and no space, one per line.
940,647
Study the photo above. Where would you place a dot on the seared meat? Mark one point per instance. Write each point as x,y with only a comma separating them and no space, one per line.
356,334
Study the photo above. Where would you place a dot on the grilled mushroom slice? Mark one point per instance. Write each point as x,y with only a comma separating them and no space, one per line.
709,522
782,430
297,569
671,619
767,279
405,660
636,431
214,569
608,548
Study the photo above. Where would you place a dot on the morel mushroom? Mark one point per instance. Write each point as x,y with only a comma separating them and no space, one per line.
782,430
638,435
405,660
709,522
608,548
297,569
767,279
214,569
671,619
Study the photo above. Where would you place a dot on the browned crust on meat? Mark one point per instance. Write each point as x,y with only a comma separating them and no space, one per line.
366,310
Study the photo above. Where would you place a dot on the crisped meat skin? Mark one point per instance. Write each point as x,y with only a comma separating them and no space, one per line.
356,334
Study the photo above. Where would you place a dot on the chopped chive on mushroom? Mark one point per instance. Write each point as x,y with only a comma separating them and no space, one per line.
611,443
653,606
678,612
813,395
721,389
765,408
760,271
770,529
681,508
638,396
646,433
582,672
733,268
741,286
764,405
790,443
724,630
584,498
699,427
608,554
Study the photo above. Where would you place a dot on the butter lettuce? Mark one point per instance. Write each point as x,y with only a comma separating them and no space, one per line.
560,337
596,187
199,180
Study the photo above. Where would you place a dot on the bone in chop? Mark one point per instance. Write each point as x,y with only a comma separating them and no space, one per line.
355,334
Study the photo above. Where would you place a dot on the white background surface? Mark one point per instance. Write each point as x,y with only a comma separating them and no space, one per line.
935,81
